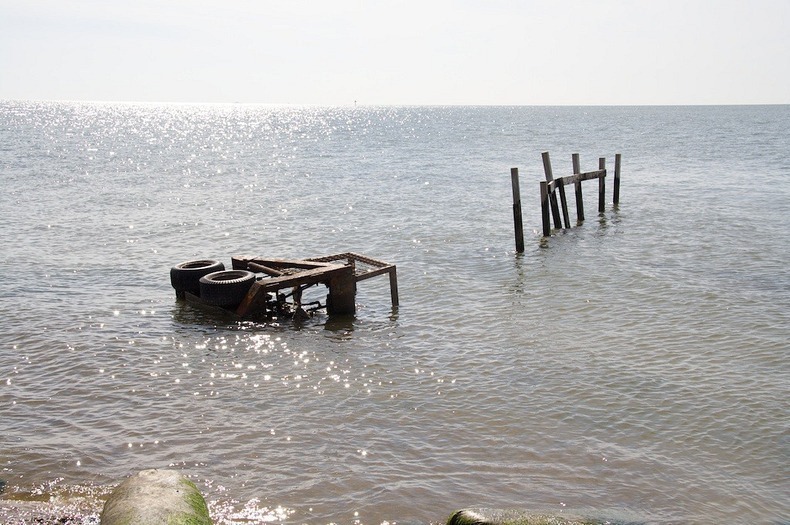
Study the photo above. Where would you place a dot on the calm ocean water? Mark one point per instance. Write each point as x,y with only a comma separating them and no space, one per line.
633,367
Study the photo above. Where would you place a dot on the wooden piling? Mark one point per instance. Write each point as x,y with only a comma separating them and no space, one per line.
602,185
564,204
616,198
548,200
555,209
544,208
517,221
578,185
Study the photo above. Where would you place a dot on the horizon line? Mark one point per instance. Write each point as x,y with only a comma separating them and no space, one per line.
357,104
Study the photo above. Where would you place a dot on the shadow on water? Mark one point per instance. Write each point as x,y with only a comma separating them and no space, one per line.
340,323
521,278
603,223
196,315
189,314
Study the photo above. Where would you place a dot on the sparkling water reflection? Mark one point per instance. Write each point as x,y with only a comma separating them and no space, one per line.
632,367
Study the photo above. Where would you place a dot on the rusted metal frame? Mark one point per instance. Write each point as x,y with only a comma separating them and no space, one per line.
259,268
313,276
391,270
260,289
381,268
374,273
241,262
350,256
367,260
324,270
329,258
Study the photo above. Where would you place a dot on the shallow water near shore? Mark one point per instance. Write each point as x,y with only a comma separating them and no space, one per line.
634,366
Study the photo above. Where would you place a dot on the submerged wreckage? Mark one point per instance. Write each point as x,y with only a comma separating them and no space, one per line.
257,286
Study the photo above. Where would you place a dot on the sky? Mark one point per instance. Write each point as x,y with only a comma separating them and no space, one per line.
374,52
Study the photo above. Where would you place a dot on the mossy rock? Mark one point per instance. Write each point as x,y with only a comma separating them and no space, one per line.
154,497
515,517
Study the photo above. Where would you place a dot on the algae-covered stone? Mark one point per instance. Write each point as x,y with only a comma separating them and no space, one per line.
154,497
514,517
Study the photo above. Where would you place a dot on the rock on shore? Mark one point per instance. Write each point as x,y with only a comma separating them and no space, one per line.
156,496
514,517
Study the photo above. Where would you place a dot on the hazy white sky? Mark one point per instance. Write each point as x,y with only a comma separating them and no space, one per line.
397,52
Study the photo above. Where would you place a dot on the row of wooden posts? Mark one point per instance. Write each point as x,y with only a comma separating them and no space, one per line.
551,187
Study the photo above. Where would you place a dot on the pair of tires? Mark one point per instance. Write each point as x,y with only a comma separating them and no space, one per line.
209,280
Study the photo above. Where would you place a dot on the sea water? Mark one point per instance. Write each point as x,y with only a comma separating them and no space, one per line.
634,366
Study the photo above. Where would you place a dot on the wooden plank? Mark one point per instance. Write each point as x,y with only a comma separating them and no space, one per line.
517,221
597,174
579,177
578,187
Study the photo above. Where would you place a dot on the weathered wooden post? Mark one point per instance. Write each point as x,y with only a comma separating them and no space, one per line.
544,208
578,185
555,209
616,198
602,185
519,225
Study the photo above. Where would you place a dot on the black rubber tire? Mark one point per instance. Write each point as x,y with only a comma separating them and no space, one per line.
226,288
185,276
